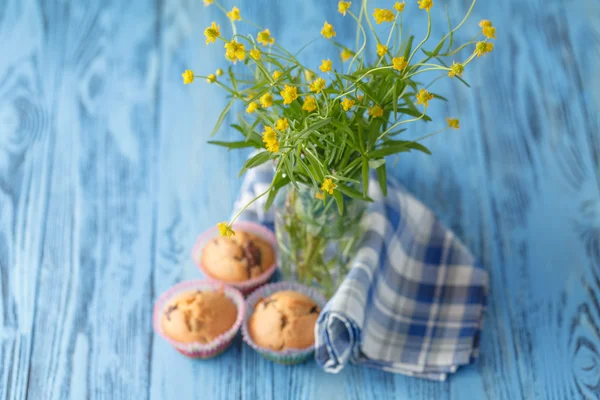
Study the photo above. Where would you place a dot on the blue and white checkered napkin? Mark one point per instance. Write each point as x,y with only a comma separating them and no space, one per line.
413,301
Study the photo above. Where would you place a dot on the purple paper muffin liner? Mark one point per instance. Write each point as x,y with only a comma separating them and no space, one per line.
197,349
288,356
246,287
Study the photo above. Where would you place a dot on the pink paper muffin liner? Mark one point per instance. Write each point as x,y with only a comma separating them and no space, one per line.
288,356
246,287
197,349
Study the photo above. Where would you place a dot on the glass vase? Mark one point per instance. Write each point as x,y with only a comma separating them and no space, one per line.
316,243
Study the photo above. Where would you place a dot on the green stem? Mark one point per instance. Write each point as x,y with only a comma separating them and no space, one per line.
250,203
425,39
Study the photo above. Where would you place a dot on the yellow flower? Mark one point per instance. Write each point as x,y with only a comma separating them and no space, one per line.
425,4
399,6
310,104
225,229
485,22
255,54
327,31
360,97
453,123
482,48
328,186
326,66
319,195
381,50
375,111
282,124
266,100
264,37
346,55
188,76
317,85
276,74
273,146
234,14
208,2
289,94
489,32
423,97
456,69
211,78
219,72
212,33
343,6
235,51
270,139
253,106
383,15
347,104
399,63
269,134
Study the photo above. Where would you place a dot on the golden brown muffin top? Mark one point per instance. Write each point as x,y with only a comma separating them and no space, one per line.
237,258
284,320
198,316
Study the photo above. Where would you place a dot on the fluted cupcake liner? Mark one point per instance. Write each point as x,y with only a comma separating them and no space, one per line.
197,349
246,287
288,356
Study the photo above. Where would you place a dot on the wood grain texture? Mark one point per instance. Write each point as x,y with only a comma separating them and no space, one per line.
106,179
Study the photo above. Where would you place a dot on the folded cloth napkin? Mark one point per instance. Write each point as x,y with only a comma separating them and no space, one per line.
414,298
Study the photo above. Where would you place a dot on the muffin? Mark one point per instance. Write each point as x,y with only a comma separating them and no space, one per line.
198,316
284,320
238,258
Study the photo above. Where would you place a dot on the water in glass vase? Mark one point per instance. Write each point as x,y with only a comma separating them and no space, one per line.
316,243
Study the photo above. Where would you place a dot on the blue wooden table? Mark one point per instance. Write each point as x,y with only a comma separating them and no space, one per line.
106,179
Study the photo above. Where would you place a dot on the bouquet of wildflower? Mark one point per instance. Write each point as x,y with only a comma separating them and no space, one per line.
327,128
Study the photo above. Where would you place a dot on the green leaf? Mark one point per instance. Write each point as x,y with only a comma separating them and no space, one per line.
344,179
255,161
232,78
278,183
355,194
233,145
436,50
314,127
413,113
222,117
365,176
376,163
314,165
350,134
408,47
339,201
367,91
397,146
451,42
437,96
463,81
382,178
418,146
290,174
394,133
395,96
388,151
249,133
238,128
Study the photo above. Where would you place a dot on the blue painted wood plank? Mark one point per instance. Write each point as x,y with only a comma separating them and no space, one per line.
105,180
78,144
